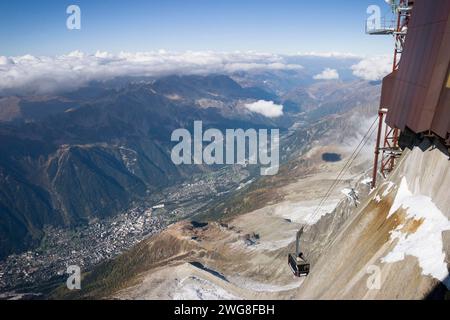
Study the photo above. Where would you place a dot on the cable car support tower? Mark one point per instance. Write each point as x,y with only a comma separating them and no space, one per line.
390,150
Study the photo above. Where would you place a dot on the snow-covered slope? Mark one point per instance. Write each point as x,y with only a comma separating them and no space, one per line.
396,245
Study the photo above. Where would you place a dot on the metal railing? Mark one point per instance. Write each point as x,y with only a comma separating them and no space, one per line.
383,27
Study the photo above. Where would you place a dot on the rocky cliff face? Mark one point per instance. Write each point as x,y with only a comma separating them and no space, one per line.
395,245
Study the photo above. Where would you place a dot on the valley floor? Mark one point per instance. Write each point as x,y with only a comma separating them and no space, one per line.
101,240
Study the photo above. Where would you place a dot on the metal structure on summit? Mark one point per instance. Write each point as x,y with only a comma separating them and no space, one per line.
390,150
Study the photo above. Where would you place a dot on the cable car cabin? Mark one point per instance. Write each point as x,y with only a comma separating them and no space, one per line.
299,266
297,262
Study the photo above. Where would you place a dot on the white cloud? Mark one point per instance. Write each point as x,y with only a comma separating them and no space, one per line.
267,108
233,67
332,54
32,74
373,68
43,74
327,74
4,61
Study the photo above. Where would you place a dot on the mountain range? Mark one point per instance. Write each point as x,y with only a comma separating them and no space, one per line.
71,158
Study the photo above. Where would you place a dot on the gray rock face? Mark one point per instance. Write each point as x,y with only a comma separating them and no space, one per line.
394,237
319,236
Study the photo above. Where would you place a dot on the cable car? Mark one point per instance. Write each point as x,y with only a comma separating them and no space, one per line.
297,262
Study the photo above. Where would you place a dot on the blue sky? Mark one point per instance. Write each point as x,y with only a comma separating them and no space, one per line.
281,26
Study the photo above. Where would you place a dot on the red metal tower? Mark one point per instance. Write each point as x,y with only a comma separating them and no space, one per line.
390,151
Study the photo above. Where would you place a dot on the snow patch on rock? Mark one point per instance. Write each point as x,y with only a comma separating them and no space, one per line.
194,288
426,243
256,286
388,189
